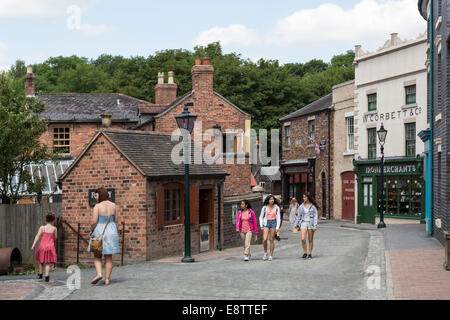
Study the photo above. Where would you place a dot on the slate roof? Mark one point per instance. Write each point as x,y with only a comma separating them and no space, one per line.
316,106
272,173
89,106
151,153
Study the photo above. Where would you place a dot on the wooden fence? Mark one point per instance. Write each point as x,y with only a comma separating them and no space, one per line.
19,224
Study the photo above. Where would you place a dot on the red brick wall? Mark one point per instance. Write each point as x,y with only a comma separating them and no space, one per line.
103,166
169,240
165,93
299,131
80,135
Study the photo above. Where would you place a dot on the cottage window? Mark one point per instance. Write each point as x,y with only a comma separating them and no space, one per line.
350,134
410,134
372,102
287,131
230,143
372,143
61,140
311,129
410,93
170,204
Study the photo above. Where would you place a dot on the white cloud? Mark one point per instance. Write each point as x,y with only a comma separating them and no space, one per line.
368,22
231,35
40,8
95,30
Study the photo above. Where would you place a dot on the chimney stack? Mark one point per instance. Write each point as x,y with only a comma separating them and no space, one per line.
29,82
165,93
203,76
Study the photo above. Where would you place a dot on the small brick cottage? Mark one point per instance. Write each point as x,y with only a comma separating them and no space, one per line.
149,194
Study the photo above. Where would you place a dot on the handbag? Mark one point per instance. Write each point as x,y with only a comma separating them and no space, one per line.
97,242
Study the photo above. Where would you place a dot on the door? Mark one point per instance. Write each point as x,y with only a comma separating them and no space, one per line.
367,201
206,219
348,195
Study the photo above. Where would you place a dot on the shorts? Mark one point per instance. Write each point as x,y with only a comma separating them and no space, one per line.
305,225
271,224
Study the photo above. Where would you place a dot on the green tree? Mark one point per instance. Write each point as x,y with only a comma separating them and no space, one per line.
20,129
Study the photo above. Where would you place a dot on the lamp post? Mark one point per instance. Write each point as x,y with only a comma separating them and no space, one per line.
186,121
382,138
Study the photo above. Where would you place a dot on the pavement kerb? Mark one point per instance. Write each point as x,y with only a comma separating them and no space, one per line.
389,280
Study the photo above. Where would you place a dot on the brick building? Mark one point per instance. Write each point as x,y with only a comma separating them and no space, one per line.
437,135
148,192
307,149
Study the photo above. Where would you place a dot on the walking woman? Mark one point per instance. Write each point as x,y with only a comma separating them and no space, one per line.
307,222
246,224
293,211
103,210
269,220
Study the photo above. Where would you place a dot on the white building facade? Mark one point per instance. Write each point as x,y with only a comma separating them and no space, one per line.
390,89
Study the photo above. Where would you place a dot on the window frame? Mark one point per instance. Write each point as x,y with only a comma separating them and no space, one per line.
66,130
369,108
350,134
287,133
411,140
171,187
369,144
409,94
311,133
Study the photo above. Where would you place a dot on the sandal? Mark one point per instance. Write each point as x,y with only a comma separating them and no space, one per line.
106,282
96,279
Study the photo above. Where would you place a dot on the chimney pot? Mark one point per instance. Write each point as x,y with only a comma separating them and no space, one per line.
106,120
160,77
29,69
29,82
206,61
198,62
171,74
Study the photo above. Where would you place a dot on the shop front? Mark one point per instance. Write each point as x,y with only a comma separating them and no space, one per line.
404,189
298,178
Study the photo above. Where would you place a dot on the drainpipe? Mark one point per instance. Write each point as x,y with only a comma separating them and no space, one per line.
430,227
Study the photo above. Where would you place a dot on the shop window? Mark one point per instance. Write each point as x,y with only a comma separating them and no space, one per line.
403,196
287,131
372,102
410,93
372,143
410,135
61,140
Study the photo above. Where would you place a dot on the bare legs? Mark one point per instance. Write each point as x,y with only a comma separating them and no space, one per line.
40,268
47,269
108,267
272,240
310,234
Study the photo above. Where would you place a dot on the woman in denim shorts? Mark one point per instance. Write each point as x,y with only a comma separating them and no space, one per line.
269,221
307,222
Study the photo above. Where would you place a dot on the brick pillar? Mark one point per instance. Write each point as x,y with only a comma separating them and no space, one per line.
165,93
29,83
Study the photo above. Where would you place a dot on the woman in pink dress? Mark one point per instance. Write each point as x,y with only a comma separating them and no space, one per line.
46,253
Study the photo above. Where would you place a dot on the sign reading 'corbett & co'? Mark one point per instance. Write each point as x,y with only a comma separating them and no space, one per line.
408,168
403,113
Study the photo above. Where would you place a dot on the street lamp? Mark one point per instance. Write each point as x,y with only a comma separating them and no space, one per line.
382,138
186,121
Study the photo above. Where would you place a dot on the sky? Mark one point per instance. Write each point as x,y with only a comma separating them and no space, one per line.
283,30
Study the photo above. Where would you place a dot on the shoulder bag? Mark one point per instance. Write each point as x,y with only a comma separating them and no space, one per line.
97,242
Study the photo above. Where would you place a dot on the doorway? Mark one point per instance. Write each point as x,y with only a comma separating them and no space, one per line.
348,195
206,218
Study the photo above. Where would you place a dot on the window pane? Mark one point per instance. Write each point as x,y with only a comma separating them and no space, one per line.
167,206
403,188
416,197
372,101
410,134
392,198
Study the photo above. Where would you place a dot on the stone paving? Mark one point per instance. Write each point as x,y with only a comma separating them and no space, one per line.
337,271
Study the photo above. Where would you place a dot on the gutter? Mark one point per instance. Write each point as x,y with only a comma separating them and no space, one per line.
431,107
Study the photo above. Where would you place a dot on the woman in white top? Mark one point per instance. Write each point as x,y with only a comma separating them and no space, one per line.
307,222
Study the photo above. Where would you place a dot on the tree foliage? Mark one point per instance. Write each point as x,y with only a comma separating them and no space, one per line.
20,129
266,89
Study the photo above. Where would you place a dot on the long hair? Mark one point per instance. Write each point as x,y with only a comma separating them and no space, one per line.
102,194
275,200
311,199
247,204
49,217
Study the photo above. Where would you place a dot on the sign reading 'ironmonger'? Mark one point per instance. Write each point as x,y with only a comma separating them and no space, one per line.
409,168
404,113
